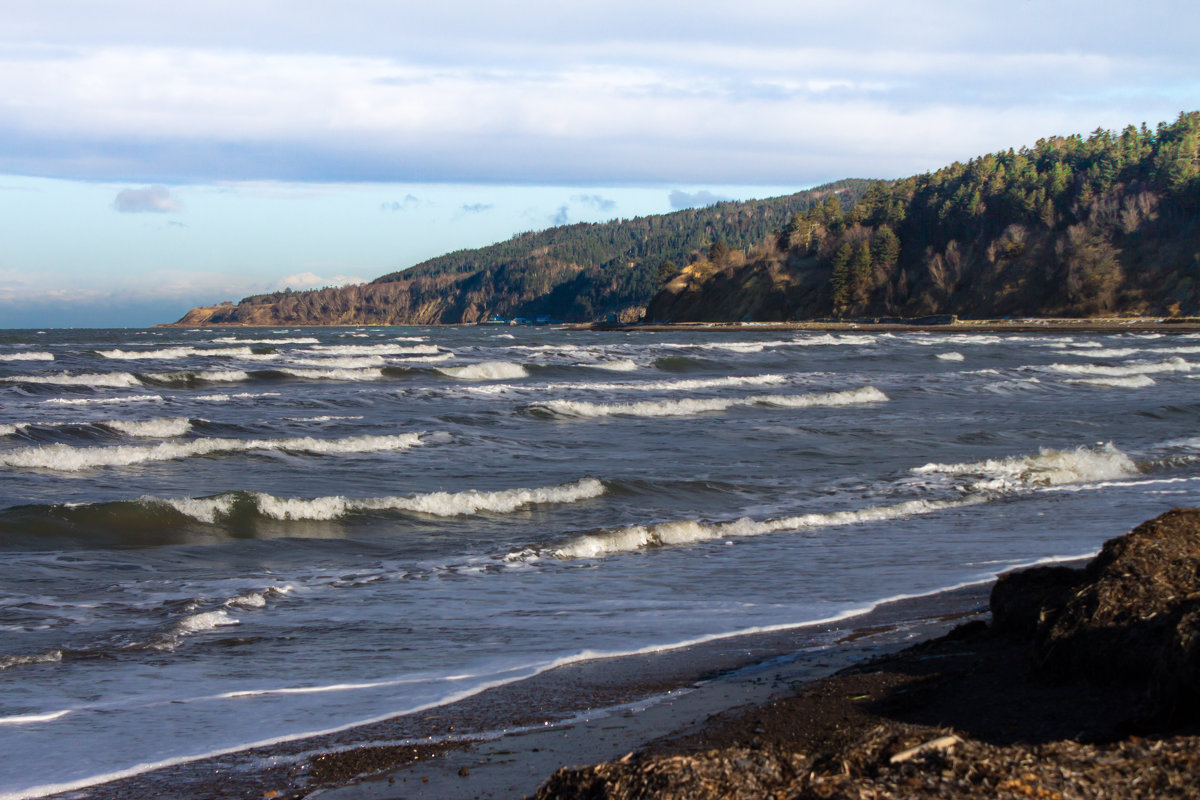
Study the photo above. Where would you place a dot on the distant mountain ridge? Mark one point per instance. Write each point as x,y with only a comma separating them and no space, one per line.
577,272
1073,227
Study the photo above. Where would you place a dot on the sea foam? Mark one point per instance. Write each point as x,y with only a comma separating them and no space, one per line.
1047,468
692,406
65,458
162,427
106,379
683,532
486,371
441,504
28,355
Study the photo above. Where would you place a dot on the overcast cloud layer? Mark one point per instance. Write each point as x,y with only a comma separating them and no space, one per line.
540,92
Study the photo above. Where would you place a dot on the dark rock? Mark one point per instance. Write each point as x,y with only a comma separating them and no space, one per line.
1120,620
1021,601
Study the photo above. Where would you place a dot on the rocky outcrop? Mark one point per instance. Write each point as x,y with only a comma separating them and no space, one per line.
1131,615
1123,629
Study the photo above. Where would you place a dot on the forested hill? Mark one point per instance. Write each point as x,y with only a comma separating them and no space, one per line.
1073,226
575,272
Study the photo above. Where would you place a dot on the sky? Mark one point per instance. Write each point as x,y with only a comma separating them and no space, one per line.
157,156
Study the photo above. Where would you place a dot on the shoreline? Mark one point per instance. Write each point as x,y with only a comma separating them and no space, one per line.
510,738
1023,325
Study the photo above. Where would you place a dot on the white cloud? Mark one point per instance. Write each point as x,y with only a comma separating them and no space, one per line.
584,95
310,280
152,199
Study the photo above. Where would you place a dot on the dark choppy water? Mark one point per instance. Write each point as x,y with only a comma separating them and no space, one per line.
309,529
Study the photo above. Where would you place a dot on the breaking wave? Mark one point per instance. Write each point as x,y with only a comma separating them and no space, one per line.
85,401
441,504
486,371
1047,468
335,374
691,406
236,340
620,365
106,379
191,377
176,352
1127,382
950,356
28,355
372,349
65,458
1170,365
642,537
162,427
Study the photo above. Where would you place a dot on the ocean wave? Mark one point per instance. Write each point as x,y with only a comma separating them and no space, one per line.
225,398
1116,382
831,339
335,374
9,428
65,458
48,657
29,355
161,427
186,378
441,504
618,365
347,362
685,385
692,406
26,719
176,352
1047,468
1170,365
296,340
684,532
486,371
372,349
950,356
84,401
106,379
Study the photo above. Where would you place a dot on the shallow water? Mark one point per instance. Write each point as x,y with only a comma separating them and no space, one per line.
316,528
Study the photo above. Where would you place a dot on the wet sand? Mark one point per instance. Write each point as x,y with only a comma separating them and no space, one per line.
506,741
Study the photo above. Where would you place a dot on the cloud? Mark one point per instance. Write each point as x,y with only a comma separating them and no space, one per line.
476,208
309,280
594,94
409,201
596,201
559,217
152,199
681,199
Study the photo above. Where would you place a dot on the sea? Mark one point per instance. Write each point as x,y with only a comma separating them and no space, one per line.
219,539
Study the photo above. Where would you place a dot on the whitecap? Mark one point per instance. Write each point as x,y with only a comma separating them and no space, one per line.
65,458
107,379
82,401
1047,468
1170,365
691,406
162,427
684,532
951,356
486,371
29,355
167,353
335,374
1127,382
371,349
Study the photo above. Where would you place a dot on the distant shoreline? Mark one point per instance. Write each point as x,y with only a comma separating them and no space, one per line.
1023,325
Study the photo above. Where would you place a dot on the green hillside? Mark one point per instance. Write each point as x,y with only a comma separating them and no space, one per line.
575,272
1073,226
